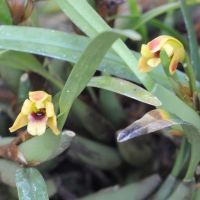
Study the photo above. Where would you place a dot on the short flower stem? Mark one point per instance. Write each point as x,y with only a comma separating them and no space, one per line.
165,61
182,157
190,73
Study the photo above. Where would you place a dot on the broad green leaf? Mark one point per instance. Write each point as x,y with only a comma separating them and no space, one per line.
5,16
30,184
125,88
40,148
86,66
159,119
69,47
65,141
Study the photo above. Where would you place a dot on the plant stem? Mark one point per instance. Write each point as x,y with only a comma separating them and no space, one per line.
190,73
181,158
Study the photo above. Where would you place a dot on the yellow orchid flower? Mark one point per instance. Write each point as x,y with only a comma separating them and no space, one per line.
37,113
150,53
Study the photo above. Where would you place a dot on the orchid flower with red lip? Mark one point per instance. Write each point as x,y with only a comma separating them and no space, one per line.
37,113
150,53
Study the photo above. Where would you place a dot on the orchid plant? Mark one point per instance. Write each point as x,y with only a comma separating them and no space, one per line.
25,51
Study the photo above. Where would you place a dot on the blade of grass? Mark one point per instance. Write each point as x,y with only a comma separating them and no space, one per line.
125,88
142,30
69,47
85,68
192,39
158,11
91,23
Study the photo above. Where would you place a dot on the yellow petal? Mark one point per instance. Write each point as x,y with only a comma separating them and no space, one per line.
154,62
145,51
22,120
39,96
39,105
143,67
157,43
179,56
37,123
52,123
49,109
26,108
36,128
171,46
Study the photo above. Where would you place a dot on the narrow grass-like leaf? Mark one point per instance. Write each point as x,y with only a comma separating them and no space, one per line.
125,88
69,47
134,8
192,39
86,66
30,184
46,143
158,11
5,15
81,13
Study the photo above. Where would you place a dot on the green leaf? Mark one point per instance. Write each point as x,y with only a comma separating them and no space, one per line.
125,88
139,190
165,189
86,66
96,154
195,59
25,62
81,13
185,191
30,184
7,171
5,16
158,11
159,119
69,47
